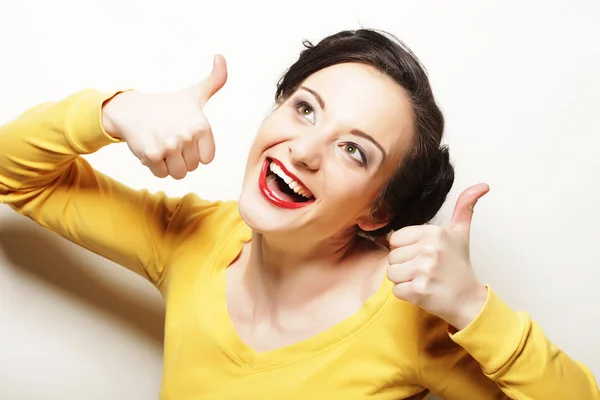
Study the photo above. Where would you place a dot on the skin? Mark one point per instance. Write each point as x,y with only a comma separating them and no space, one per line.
305,269
302,264
311,145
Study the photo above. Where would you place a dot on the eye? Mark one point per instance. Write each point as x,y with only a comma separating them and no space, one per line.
306,110
356,152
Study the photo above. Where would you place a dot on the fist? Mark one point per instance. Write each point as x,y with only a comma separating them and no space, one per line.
167,132
431,268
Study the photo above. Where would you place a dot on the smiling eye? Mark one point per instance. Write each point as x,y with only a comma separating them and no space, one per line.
355,152
306,110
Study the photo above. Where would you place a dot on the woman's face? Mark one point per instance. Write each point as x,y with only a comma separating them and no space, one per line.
322,156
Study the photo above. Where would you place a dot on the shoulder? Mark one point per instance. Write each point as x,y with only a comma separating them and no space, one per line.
196,213
202,236
204,224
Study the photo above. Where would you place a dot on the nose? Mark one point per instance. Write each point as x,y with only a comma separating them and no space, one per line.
306,152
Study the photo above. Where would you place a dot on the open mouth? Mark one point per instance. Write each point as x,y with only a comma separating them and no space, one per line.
281,187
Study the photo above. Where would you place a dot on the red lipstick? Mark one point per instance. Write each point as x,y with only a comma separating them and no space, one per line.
273,196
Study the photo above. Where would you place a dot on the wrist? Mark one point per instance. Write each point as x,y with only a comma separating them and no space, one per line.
470,308
110,115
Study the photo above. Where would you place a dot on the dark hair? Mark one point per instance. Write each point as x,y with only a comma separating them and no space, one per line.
419,186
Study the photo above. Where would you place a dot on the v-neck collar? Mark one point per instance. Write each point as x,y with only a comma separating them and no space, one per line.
227,336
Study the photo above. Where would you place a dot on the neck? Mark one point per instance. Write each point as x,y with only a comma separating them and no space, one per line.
291,272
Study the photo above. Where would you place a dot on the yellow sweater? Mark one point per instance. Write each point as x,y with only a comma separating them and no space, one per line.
389,349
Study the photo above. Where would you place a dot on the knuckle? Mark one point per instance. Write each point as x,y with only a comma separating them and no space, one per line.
170,145
429,267
186,136
429,247
421,287
199,126
435,255
431,254
154,155
437,233
144,160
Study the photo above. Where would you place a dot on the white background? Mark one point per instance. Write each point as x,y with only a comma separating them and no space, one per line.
520,87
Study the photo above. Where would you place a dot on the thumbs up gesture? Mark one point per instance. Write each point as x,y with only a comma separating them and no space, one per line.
431,267
167,132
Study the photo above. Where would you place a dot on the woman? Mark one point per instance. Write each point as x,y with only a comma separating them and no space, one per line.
288,293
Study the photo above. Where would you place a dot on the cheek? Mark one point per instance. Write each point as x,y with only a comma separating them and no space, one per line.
356,193
272,132
257,145
257,148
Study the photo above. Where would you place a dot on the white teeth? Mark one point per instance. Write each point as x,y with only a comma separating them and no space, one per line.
293,184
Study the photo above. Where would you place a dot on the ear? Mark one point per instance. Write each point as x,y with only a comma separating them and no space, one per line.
373,220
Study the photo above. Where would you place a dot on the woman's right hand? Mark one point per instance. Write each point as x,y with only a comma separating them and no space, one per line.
167,132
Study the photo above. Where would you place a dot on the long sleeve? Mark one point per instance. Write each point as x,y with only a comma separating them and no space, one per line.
502,354
44,177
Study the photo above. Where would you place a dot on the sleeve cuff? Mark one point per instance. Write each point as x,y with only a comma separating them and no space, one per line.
84,122
494,335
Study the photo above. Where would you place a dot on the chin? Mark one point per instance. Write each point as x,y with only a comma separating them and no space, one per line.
260,220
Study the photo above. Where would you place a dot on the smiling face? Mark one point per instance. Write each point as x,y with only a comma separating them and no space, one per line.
319,160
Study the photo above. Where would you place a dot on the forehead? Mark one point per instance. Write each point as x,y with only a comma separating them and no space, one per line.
362,97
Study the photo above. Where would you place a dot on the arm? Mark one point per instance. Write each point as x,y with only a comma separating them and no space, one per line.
500,354
494,352
43,177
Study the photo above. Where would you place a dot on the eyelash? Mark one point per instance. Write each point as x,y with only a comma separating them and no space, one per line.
302,103
362,153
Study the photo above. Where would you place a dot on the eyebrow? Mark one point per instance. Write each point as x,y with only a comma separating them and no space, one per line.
364,135
316,96
355,132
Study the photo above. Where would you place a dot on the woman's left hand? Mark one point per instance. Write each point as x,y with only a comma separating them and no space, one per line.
431,266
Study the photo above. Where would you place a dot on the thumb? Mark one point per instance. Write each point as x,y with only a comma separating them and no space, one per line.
463,211
213,82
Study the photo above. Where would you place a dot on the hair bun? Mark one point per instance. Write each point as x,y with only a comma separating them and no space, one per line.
422,195
436,185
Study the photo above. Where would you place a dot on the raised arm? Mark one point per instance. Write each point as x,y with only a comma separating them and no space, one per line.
44,177
502,354
476,346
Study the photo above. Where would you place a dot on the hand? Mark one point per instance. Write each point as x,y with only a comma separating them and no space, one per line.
167,132
431,266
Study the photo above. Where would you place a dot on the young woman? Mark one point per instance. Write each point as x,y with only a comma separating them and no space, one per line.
289,293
